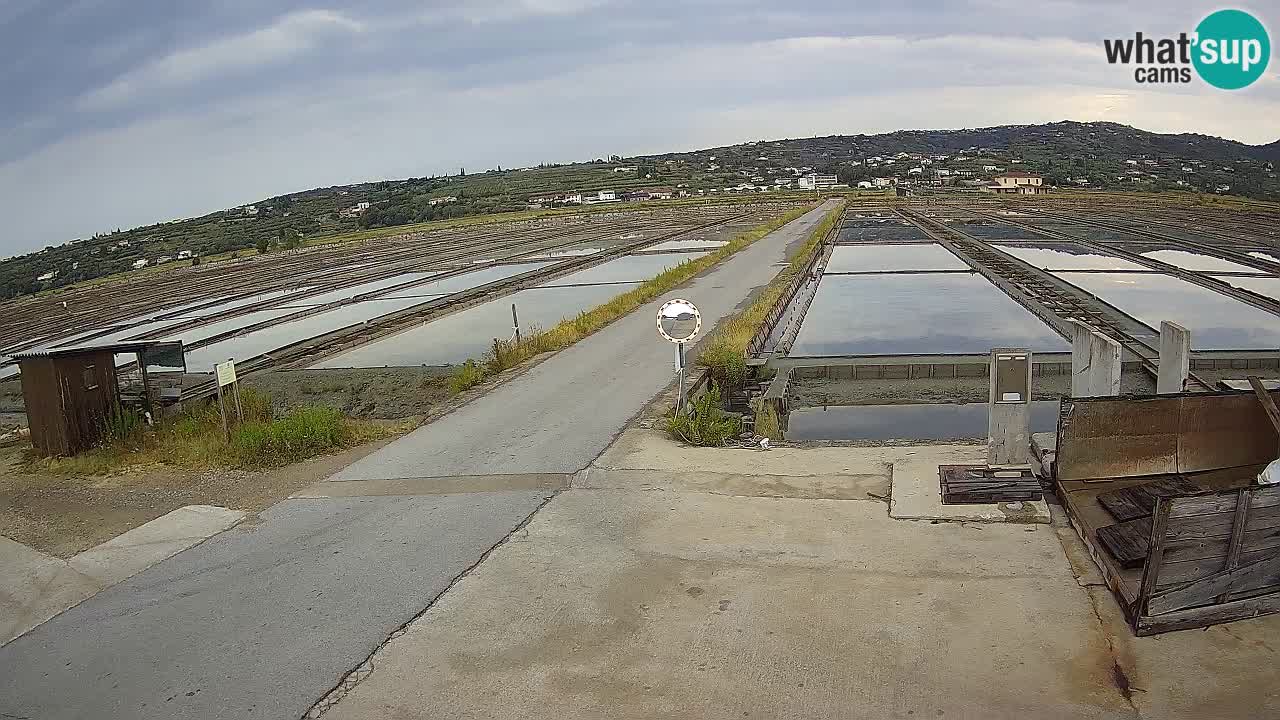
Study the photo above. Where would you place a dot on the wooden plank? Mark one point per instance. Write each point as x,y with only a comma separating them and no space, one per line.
1268,403
1244,497
1258,574
1263,497
1219,525
1138,501
1209,615
1155,557
1128,542
1175,574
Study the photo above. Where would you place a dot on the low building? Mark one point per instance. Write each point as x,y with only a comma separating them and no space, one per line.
814,181
140,263
70,393
442,200
882,182
1017,182
354,210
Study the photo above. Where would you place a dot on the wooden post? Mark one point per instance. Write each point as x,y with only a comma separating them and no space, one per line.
222,411
239,410
515,322
1175,358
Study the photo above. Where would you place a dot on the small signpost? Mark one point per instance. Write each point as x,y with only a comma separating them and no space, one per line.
226,372
679,322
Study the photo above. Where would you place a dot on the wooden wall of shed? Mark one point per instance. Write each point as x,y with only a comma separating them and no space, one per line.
42,395
87,408
1216,558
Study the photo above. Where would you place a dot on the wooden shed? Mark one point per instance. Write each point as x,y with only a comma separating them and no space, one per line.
1162,490
70,392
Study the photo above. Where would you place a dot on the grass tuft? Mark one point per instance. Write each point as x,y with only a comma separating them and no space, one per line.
705,424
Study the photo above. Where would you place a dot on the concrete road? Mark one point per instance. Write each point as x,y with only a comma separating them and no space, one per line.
263,620
559,416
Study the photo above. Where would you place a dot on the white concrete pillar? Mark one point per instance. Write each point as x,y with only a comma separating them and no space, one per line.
1175,358
1009,408
1095,363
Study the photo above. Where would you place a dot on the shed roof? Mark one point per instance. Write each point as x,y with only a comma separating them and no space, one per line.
116,347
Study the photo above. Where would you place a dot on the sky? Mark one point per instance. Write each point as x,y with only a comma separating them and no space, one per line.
119,113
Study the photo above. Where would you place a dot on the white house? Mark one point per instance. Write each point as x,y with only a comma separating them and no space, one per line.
990,168
915,171
881,182
814,181
864,184
48,276
185,254
140,263
1017,182
441,200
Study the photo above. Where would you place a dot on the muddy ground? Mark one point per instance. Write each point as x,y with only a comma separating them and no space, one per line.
373,393
63,515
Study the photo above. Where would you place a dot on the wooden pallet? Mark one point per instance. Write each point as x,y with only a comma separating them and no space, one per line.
969,484
1138,501
1128,542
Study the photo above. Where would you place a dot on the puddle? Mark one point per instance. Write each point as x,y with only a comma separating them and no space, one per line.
687,245
253,344
347,293
918,314
1069,257
629,268
1264,286
881,231
456,338
1197,261
1216,321
906,422
876,258
465,281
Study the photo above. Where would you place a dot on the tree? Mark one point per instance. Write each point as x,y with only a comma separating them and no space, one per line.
264,245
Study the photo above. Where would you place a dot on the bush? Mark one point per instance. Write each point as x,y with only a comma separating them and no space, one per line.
466,376
297,436
705,423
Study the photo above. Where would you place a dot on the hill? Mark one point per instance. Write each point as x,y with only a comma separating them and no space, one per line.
1093,155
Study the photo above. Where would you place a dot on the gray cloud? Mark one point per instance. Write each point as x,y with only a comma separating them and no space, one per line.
125,112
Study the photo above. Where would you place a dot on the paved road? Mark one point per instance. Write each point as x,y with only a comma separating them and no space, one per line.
261,621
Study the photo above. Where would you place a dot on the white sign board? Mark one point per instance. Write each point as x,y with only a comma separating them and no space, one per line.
679,321
226,373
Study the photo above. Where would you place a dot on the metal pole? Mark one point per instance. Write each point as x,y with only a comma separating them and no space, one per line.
680,372
515,321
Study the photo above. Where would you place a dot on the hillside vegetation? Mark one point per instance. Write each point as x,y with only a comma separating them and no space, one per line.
1091,155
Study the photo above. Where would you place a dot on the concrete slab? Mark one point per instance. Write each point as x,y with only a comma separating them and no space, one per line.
860,486
640,604
36,587
138,549
917,496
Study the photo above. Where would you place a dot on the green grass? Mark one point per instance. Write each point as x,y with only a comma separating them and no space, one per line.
725,352
505,355
194,439
704,424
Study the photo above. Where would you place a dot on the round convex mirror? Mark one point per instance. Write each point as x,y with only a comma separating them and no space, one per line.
679,321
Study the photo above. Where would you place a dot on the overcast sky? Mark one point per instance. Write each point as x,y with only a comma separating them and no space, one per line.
124,112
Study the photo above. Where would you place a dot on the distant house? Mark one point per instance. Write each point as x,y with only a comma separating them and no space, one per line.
814,181
185,254
354,210
140,263
48,276
163,259
600,196
1017,182
864,184
881,182
442,200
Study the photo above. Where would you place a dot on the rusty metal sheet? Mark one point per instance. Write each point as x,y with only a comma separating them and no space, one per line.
1221,431
1108,438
